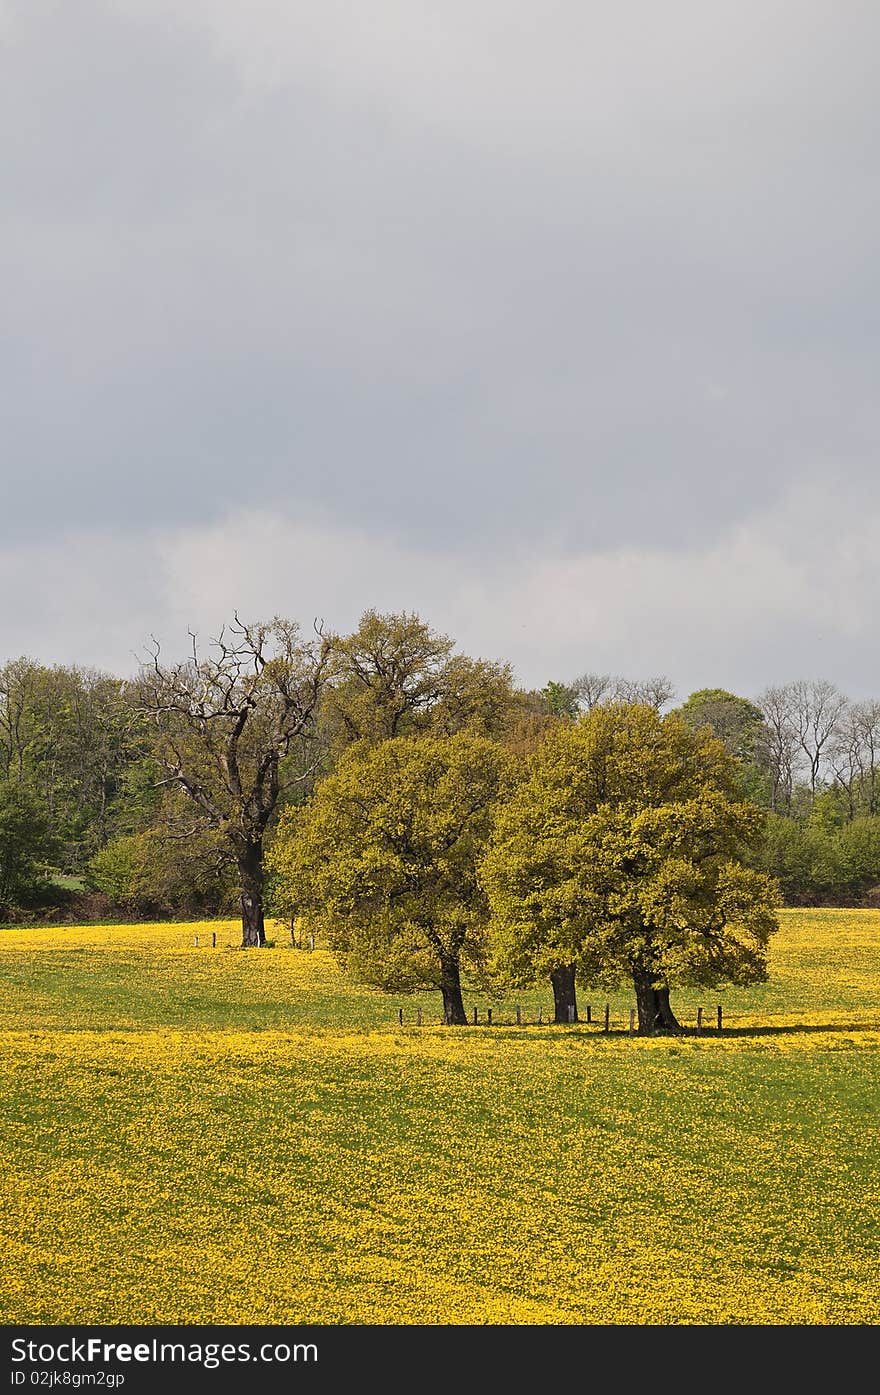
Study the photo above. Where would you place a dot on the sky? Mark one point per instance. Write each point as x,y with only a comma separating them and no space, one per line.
556,323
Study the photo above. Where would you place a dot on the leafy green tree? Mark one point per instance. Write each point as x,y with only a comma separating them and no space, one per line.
26,844
68,734
623,852
384,859
476,695
395,676
736,722
739,724
562,700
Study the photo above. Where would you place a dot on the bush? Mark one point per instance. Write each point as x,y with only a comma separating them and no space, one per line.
152,873
816,863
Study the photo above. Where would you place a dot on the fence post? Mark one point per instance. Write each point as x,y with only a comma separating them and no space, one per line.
475,1017
699,1021
213,939
418,1017
489,1016
540,1016
607,1017
311,942
518,1017
719,1017
632,1021
589,1014
400,1016
196,942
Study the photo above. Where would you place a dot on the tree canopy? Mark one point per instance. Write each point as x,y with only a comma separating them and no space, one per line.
623,851
395,676
384,859
26,843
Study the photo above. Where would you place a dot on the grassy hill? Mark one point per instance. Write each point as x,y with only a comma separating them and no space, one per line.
196,1135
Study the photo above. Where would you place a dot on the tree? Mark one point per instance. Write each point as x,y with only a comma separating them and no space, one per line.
817,709
854,757
476,695
396,676
623,852
386,677
867,717
561,699
591,689
224,723
384,859
734,720
26,844
780,745
69,734
740,725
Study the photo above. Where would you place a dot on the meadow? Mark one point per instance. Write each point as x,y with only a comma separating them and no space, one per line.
203,1135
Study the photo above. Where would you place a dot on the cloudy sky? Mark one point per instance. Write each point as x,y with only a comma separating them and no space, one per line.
557,323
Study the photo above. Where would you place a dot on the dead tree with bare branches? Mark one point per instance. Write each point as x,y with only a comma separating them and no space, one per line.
225,720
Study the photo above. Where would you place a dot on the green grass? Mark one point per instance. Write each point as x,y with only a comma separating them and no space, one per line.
205,1135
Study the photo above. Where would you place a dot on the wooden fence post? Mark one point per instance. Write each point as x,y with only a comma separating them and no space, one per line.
213,939
400,1016
719,1017
418,1017
518,1017
489,1016
607,1017
475,1017
196,942
632,1021
589,1014
311,942
540,1016
699,1021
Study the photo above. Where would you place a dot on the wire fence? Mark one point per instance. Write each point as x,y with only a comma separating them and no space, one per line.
693,1021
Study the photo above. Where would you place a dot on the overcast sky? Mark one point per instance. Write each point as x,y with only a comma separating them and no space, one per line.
557,323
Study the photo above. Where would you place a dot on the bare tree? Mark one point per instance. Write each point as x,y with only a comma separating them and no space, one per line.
845,757
591,689
17,681
224,723
854,755
817,708
866,715
656,692
780,744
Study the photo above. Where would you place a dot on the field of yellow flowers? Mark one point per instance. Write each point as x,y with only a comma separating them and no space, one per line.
194,1134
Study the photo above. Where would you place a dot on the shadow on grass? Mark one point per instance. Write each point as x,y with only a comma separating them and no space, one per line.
583,1031
784,1030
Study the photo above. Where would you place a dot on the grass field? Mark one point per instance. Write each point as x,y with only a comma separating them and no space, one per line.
200,1135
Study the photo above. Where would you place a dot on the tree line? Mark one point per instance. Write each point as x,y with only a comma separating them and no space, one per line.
163,793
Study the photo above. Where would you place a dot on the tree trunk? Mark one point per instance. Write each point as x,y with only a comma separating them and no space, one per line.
564,994
450,987
655,1013
250,873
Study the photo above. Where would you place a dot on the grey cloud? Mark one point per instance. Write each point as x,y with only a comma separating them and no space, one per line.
490,281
